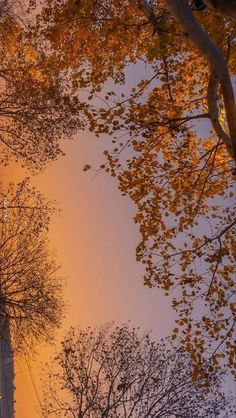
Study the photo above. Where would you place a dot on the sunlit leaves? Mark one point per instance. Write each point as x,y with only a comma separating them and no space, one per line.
36,111
169,162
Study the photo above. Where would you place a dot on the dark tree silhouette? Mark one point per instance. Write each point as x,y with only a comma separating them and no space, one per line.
113,372
30,289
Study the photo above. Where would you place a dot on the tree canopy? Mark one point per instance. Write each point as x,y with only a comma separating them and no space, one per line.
112,371
36,112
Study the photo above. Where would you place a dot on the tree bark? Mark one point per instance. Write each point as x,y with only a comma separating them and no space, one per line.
226,7
213,110
183,15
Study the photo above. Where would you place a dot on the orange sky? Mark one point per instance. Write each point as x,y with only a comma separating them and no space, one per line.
95,240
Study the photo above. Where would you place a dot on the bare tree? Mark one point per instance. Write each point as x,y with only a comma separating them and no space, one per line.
113,372
30,289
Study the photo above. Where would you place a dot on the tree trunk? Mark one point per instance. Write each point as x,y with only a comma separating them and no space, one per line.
226,7
183,15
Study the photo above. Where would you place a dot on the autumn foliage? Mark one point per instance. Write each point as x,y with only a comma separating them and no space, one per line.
173,161
36,112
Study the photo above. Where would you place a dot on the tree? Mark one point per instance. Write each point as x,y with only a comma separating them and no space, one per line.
36,113
30,290
176,159
113,372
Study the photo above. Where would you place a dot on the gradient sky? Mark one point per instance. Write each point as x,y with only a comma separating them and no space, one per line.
95,239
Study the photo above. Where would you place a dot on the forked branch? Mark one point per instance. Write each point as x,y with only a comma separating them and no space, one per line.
183,15
219,73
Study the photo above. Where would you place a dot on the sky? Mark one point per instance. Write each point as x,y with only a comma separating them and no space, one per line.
94,238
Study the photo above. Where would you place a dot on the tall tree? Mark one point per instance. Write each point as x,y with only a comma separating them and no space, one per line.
113,372
31,297
176,159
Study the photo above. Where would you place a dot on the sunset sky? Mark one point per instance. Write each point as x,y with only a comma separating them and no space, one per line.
155,81
94,238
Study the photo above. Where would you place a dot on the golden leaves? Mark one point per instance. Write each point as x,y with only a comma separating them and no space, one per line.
30,54
10,37
86,167
175,170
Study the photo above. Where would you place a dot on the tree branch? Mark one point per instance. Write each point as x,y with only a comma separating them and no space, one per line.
213,110
226,7
182,13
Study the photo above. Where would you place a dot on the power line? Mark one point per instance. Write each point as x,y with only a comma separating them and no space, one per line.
25,381
34,384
